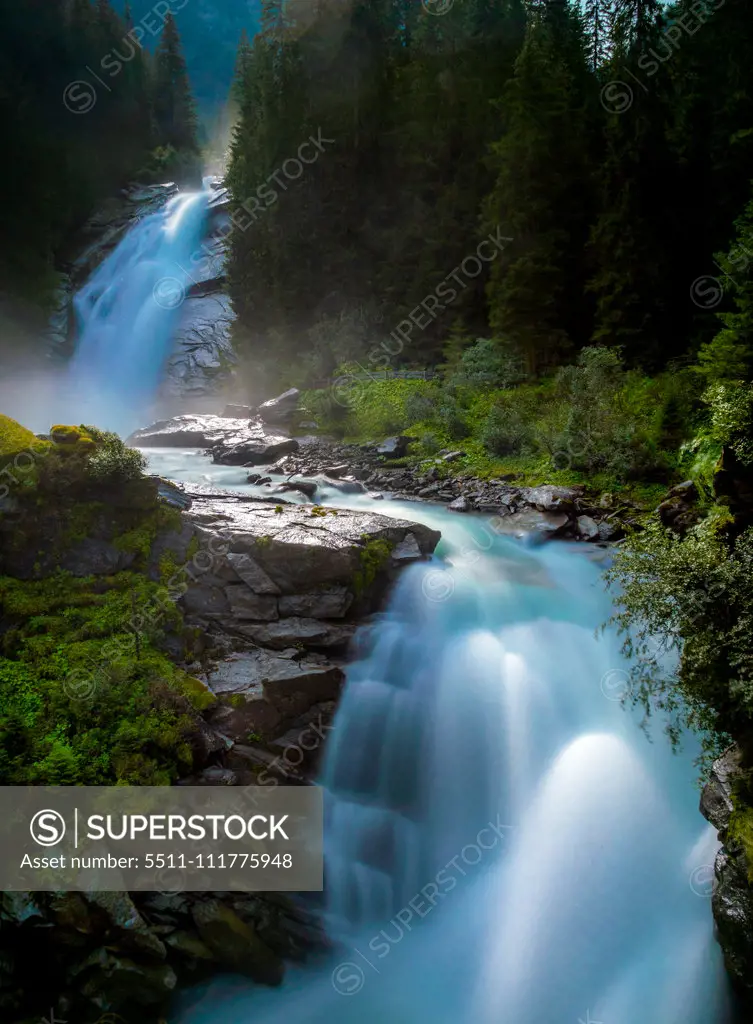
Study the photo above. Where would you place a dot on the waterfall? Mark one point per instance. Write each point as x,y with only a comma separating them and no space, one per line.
503,842
127,313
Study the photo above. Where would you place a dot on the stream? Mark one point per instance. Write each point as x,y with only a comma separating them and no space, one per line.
503,842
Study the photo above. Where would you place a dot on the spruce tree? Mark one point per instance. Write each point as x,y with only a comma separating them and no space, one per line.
174,109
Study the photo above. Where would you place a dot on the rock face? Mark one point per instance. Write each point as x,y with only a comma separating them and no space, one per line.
732,899
232,442
202,360
121,957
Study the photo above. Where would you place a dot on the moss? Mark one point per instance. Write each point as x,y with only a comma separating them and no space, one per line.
62,434
197,693
193,547
15,439
374,556
740,831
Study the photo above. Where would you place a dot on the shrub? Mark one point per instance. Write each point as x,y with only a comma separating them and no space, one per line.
488,363
685,610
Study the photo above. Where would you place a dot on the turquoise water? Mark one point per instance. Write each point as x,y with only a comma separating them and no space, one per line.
126,316
482,750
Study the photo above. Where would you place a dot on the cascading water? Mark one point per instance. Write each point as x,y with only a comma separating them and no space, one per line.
503,843
126,315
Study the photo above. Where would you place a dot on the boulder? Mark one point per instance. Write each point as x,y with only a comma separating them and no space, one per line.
551,499
235,944
299,549
393,447
460,504
279,410
232,442
588,529
307,487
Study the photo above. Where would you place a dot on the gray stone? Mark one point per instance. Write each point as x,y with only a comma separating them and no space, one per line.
252,574
551,499
587,528
299,631
245,604
393,447
279,410
332,603
716,803
460,504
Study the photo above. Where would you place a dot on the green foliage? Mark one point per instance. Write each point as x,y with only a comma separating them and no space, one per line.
15,439
87,697
374,556
685,608
488,363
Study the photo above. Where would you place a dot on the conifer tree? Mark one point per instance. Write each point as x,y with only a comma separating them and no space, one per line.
174,109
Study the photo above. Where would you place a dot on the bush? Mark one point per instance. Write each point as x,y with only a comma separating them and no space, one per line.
488,363
509,428
691,598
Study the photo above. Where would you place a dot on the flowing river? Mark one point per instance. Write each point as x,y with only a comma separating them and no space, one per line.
503,842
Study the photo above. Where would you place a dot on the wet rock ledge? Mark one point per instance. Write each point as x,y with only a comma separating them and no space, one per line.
732,893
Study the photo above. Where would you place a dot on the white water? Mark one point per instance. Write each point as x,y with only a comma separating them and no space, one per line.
126,316
483,696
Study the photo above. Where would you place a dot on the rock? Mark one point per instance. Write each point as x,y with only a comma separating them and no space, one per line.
686,490
732,896
295,693
233,442
172,493
279,410
124,924
252,574
530,522
460,504
453,456
552,499
307,487
235,944
245,604
299,631
95,557
297,546
609,531
332,603
113,981
376,496
393,447
238,412
216,776
257,451
337,471
716,803
188,946
587,528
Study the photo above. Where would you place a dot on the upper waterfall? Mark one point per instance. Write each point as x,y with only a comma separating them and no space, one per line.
127,313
